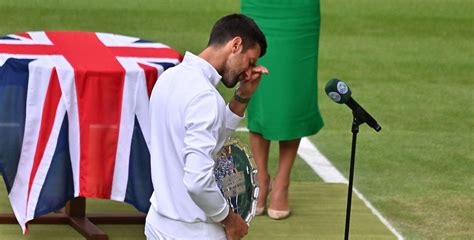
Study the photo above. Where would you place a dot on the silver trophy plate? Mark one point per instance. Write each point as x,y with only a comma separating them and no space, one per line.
236,176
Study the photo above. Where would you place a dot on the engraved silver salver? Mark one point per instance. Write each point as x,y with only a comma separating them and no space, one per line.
236,175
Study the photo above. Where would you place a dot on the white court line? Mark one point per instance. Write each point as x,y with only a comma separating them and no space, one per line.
328,173
319,163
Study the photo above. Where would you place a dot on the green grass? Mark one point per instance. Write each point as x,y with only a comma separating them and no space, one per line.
184,24
318,212
409,63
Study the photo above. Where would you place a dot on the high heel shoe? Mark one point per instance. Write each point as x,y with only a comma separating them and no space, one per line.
260,210
278,214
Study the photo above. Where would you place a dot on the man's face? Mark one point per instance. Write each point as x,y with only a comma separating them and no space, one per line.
239,65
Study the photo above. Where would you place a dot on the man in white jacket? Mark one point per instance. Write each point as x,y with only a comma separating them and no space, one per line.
189,124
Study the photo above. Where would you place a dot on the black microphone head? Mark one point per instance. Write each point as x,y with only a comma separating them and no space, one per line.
338,91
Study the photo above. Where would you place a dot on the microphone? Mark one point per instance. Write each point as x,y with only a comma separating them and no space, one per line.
340,93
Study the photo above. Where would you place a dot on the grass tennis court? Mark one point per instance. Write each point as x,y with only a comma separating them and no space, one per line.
409,63
318,211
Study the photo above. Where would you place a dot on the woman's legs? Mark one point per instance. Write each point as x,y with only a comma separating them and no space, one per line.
279,195
260,147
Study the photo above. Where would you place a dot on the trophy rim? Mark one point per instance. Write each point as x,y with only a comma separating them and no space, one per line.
253,174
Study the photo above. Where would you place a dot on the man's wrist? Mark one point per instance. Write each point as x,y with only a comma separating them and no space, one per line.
228,219
240,99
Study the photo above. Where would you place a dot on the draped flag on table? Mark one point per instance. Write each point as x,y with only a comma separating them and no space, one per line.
74,118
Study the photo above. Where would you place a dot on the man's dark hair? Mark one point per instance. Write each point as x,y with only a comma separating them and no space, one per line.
238,25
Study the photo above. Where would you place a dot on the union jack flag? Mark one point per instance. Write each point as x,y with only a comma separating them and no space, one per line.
74,118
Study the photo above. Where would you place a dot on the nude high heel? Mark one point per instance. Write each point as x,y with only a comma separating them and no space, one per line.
277,214
259,211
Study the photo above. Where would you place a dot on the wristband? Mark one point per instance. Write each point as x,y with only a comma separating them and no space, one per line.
239,98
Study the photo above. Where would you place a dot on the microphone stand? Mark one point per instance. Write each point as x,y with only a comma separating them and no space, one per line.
355,129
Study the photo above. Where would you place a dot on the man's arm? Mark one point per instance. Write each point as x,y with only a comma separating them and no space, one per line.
199,143
246,88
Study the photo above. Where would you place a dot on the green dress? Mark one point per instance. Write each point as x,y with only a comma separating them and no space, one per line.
285,105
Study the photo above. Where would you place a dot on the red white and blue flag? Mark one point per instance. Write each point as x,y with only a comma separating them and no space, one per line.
74,118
